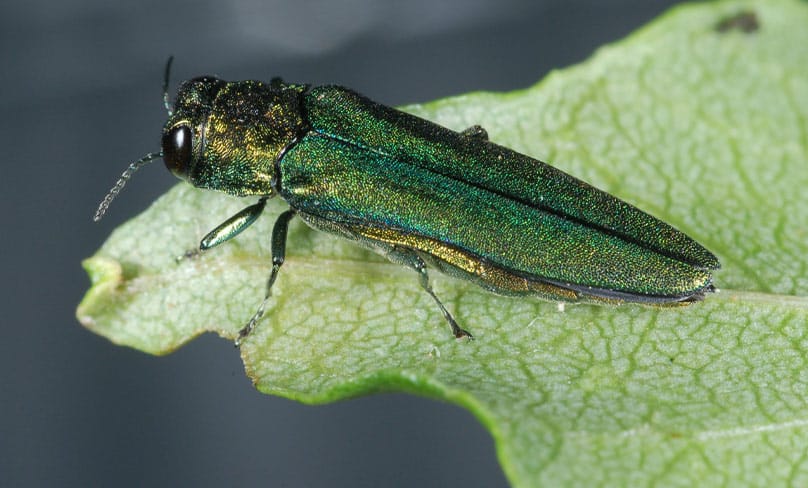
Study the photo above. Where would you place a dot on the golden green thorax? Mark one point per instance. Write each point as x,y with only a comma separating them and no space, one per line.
227,136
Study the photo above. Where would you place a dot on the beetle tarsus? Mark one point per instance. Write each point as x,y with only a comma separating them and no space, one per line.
189,254
457,331
247,329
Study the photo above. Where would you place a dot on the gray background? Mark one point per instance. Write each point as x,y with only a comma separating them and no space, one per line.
80,99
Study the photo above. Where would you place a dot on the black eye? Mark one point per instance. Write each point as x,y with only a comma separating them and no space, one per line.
177,150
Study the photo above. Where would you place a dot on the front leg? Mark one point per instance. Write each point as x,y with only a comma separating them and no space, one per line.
233,226
227,230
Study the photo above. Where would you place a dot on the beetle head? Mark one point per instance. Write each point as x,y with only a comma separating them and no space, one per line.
224,136
227,136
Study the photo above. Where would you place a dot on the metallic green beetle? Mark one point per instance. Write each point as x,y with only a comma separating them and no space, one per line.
420,194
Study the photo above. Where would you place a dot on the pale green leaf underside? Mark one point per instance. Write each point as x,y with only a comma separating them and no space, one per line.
706,130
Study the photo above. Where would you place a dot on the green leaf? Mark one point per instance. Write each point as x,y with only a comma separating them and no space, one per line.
706,128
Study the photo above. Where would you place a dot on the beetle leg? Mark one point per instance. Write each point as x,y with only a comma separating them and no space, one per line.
279,232
456,330
227,230
476,132
412,260
233,226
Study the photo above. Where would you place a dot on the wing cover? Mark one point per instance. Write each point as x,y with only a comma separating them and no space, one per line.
356,185
342,114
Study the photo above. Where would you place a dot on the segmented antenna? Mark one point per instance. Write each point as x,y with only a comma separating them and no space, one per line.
102,207
166,101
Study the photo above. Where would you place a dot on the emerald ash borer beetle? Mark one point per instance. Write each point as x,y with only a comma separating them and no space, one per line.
422,195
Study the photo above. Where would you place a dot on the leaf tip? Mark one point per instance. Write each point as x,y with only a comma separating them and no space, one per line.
106,275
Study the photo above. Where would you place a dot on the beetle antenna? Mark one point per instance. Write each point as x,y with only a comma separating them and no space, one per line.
166,76
102,207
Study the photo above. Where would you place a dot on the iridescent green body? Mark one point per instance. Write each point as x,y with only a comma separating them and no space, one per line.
423,195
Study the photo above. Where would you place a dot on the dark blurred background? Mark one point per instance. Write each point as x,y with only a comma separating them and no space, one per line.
81,99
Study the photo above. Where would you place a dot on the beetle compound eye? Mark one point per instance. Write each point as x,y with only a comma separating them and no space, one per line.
177,150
